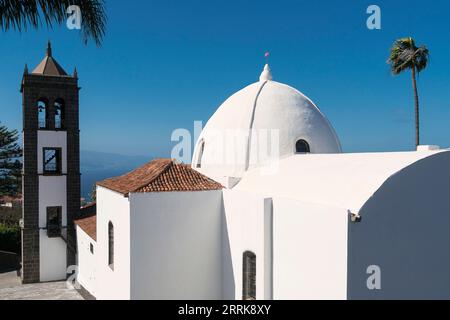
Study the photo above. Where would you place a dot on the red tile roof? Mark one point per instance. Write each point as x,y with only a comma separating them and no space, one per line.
161,175
88,225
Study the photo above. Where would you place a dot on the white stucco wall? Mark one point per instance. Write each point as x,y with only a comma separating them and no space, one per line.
86,261
114,207
309,251
405,232
176,245
301,249
244,229
52,193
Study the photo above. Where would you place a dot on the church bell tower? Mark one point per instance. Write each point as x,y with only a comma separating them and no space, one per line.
51,170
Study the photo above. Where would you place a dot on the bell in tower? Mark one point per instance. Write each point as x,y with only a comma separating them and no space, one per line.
51,170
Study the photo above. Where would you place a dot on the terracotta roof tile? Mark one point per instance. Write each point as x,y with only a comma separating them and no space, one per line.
88,225
161,175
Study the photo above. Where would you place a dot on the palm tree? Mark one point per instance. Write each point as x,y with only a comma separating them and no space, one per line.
19,14
406,55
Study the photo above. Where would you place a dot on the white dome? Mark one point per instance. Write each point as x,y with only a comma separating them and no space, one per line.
276,115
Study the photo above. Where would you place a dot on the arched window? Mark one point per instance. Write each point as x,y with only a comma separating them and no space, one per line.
200,154
249,276
301,146
42,113
59,113
111,245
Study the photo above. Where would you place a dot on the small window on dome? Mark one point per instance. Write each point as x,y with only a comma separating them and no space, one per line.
301,146
200,155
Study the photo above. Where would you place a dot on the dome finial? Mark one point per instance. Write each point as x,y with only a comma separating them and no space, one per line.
266,75
49,49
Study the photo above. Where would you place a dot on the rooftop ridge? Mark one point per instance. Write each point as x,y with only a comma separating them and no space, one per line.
160,175
165,169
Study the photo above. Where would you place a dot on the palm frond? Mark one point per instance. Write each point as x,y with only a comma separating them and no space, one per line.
20,14
406,55
421,58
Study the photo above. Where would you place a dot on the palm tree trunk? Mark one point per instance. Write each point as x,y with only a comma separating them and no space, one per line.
416,100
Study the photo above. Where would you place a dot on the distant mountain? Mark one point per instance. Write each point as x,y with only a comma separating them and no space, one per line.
96,166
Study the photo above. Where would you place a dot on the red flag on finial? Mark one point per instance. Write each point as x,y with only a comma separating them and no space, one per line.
266,55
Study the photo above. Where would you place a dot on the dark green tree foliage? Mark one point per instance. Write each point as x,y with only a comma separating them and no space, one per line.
9,237
10,165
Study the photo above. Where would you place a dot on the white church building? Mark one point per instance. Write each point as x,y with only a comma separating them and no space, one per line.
271,208
311,223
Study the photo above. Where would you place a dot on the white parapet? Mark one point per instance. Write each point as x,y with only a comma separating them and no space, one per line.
428,148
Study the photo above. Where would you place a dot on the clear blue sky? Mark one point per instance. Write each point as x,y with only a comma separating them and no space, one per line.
165,64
